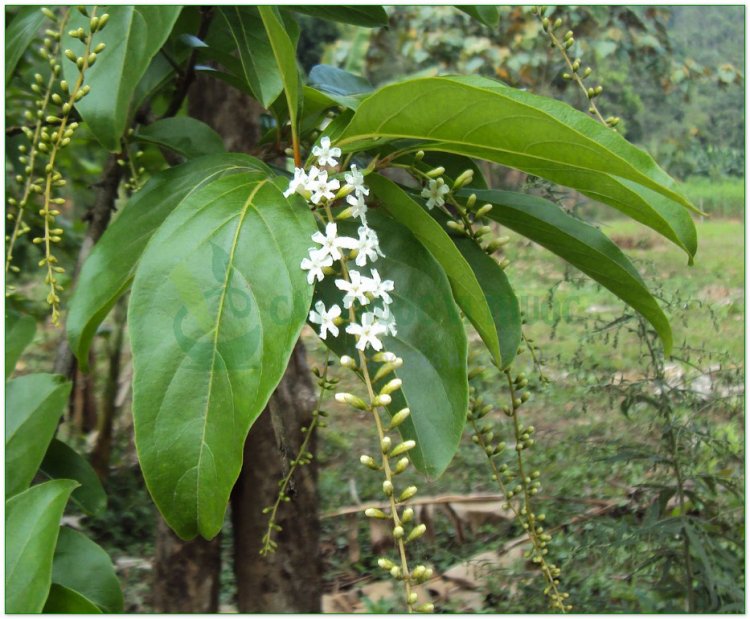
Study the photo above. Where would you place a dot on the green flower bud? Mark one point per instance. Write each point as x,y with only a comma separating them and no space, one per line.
391,386
396,572
384,563
348,362
387,488
464,178
407,494
369,462
372,512
399,418
398,532
385,444
103,20
384,357
412,598
435,172
416,532
471,201
401,466
484,210
402,448
70,55
426,608
419,155
381,400
408,515
351,400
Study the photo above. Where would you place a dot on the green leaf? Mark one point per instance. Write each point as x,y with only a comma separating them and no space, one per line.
501,298
286,60
221,290
19,332
133,35
32,523
367,16
431,340
466,289
62,600
84,567
109,269
62,462
487,15
335,81
580,244
19,34
257,63
537,135
184,135
33,406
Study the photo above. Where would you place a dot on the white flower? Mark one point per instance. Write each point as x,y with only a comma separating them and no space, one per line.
331,242
357,180
356,289
381,288
318,259
367,246
322,188
326,319
325,153
367,332
386,319
359,208
434,193
300,180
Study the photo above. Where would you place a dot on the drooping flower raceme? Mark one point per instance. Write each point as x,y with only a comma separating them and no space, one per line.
321,190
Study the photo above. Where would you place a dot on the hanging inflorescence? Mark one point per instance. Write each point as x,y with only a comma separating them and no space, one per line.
52,132
517,485
563,45
364,307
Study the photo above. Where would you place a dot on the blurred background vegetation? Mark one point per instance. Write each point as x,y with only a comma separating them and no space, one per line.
614,421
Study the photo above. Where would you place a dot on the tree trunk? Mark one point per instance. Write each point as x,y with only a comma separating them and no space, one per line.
186,574
289,580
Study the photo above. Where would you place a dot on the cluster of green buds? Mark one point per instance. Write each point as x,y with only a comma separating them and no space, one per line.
564,43
392,460
303,457
516,485
467,218
52,132
132,163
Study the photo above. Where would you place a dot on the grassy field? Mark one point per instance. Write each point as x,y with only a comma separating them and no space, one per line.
580,430
719,198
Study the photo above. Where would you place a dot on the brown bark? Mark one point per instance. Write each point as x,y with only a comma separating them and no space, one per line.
186,574
289,579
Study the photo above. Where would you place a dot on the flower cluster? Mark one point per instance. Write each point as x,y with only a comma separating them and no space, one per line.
359,288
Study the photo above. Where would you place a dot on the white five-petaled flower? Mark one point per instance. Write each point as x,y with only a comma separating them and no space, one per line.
325,153
331,243
322,188
434,193
381,288
326,319
356,289
367,332
319,258
299,180
357,180
359,208
367,246
386,318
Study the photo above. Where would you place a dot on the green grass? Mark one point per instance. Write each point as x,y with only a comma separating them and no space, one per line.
719,198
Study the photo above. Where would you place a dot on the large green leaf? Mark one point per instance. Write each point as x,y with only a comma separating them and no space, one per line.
367,16
334,81
62,600
257,63
431,340
580,244
186,136
538,135
488,15
218,302
63,462
133,35
84,567
19,34
33,405
109,269
32,523
466,289
286,61
19,331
